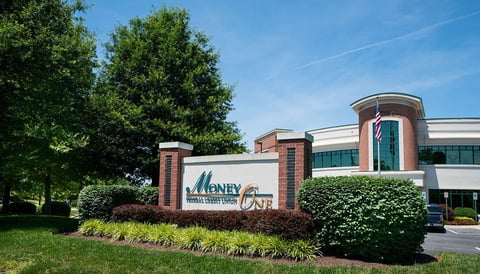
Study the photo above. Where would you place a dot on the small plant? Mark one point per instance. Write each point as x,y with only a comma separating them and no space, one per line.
58,209
461,221
22,208
199,238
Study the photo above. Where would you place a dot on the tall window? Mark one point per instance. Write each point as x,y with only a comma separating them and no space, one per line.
389,147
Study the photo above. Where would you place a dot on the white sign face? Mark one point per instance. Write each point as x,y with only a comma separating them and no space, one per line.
475,196
230,183
445,195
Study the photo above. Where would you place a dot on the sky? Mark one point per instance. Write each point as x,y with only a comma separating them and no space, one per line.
300,64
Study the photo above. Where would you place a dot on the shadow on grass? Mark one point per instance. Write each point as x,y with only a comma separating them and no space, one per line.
55,224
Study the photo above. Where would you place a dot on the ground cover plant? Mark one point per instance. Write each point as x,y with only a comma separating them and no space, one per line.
29,246
199,238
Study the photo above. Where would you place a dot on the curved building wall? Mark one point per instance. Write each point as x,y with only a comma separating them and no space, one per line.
407,117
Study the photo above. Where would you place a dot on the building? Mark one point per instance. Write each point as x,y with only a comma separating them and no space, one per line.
441,156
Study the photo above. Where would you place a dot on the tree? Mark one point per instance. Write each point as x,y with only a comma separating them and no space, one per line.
161,83
47,60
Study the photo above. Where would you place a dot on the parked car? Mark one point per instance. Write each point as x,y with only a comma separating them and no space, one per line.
435,217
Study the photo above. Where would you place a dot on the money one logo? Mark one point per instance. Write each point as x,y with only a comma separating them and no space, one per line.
247,197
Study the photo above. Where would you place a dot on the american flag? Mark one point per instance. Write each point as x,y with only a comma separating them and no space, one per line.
378,125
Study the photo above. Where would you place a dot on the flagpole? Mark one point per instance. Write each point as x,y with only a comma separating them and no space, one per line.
378,160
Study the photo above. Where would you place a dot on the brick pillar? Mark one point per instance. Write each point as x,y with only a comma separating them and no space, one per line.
169,190
294,165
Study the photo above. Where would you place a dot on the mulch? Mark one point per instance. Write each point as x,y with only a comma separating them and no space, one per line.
320,261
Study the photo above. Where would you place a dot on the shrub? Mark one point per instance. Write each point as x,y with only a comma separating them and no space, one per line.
451,212
290,225
461,221
97,201
465,212
147,195
58,209
374,219
22,208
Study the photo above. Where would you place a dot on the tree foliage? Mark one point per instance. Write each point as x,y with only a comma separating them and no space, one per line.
160,83
46,71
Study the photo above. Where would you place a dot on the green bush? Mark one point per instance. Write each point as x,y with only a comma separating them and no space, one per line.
97,201
374,219
58,209
286,224
461,221
465,212
22,208
147,195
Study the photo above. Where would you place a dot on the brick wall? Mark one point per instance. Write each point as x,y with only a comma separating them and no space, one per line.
169,192
409,117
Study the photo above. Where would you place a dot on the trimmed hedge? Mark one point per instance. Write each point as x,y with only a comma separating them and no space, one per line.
290,225
465,212
22,208
461,221
147,195
368,218
58,209
97,201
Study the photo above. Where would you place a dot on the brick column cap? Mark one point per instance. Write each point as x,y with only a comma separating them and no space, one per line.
284,136
180,145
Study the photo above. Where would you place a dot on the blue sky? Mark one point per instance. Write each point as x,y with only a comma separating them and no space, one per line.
300,64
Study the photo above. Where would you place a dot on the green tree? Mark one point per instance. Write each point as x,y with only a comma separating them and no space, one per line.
47,58
161,83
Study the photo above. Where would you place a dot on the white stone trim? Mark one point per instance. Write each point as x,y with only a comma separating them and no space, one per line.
181,145
273,156
294,135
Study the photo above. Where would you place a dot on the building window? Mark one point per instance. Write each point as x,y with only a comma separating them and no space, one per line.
450,155
389,147
337,158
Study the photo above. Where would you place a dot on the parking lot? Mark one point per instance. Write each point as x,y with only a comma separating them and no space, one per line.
461,239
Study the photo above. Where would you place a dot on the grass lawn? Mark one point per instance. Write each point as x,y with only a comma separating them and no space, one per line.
31,244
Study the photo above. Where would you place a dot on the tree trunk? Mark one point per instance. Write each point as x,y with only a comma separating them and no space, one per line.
6,197
47,207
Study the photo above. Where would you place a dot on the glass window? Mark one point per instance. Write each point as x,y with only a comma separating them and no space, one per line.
466,155
425,155
389,147
355,157
476,155
337,158
346,158
327,159
452,155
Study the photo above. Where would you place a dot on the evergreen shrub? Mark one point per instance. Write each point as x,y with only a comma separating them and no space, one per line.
58,209
22,208
97,201
290,225
147,195
461,221
465,212
368,218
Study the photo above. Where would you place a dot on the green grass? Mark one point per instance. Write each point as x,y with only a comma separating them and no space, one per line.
29,244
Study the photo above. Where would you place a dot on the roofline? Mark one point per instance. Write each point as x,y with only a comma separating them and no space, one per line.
390,97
